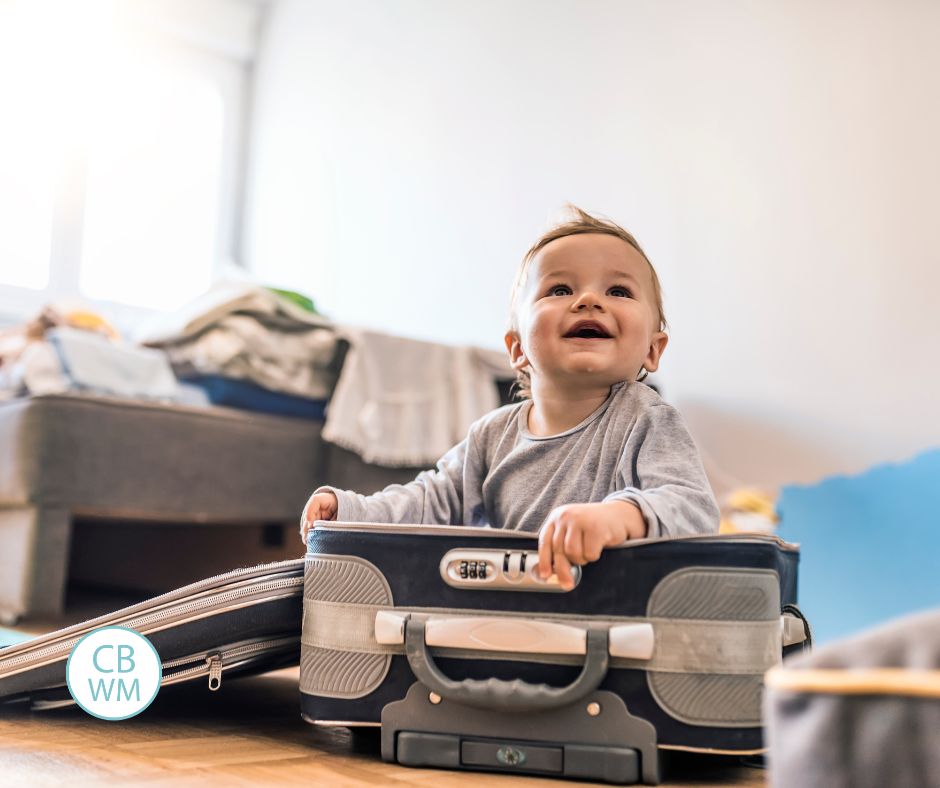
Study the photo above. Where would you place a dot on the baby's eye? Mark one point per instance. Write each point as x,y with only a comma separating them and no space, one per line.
620,292
560,290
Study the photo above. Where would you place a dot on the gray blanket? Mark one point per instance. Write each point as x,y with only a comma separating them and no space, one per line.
861,712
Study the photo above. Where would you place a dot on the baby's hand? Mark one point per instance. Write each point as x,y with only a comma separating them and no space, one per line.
320,506
578,533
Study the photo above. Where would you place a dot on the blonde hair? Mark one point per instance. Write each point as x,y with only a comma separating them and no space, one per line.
580,223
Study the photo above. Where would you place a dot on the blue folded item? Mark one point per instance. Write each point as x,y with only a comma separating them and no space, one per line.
869,544
243,394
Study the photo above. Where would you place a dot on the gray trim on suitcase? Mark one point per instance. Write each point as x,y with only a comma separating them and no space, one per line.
719,701
735,595
326,668
717,594
682,646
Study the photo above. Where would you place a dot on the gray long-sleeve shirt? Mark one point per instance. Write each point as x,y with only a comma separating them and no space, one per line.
633,448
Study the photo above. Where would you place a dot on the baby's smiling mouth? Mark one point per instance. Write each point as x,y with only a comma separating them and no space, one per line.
587,329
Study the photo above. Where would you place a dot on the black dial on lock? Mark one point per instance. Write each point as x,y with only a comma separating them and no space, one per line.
472,570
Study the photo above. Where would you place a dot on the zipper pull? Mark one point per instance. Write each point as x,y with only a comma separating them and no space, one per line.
214,660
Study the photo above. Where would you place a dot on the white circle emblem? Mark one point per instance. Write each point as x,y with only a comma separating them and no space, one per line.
113,673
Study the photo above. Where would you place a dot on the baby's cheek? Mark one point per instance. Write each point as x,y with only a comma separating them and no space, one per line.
538,344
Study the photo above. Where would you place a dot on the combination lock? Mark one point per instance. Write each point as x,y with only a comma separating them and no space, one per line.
499,570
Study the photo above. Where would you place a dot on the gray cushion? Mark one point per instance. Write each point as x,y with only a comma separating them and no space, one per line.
99,456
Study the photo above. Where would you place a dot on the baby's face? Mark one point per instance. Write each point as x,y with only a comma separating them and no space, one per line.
586,314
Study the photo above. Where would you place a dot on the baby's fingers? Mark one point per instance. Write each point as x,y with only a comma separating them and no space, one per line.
308,515
329,510
594,545
561,564
563,570
574,546
545,550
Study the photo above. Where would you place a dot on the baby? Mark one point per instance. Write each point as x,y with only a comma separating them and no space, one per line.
591,457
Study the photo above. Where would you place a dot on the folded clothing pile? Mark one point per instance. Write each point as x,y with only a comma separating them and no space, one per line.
252,347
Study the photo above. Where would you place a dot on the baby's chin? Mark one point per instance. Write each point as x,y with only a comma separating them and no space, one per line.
594,375
589,365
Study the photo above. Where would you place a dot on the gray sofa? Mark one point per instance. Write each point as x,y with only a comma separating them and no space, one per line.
135,478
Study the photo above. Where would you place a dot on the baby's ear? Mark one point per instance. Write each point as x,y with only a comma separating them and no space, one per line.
517,357
657,348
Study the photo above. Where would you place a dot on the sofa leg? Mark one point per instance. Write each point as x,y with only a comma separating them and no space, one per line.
34,556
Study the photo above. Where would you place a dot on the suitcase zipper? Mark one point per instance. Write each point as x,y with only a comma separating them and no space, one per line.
214,662
501,533
15,664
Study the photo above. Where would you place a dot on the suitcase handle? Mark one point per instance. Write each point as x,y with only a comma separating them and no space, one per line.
632,640
497,694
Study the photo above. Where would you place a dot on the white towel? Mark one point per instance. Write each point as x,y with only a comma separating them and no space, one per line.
75,360
402,402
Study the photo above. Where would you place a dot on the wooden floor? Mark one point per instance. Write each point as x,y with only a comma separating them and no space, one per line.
248,733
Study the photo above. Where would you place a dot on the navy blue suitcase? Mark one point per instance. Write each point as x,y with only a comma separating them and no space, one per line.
447,638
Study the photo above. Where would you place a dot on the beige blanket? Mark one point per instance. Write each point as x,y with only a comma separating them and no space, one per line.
402,402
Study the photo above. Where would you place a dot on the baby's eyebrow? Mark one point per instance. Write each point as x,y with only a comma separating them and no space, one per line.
615,274
612,273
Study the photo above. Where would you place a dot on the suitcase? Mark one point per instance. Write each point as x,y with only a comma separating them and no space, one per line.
244,621
447,639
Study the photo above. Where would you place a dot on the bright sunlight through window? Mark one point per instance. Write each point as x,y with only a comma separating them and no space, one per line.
153,190
26,203
113,137
30,155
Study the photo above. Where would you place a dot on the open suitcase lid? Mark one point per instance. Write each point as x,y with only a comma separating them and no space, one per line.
204,628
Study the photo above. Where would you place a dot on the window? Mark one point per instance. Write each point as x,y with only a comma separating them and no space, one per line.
27,188
152,189
30,158
120,149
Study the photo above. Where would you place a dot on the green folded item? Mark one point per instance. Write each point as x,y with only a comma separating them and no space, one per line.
296,298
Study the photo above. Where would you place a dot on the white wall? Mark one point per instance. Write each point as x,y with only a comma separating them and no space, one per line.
779,162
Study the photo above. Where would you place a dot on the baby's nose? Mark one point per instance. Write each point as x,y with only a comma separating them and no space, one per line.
588,300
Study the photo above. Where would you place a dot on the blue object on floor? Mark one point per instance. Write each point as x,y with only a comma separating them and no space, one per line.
10,637
243,394
870,544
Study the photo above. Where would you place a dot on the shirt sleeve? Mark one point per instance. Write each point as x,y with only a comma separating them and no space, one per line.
663,475
434,497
